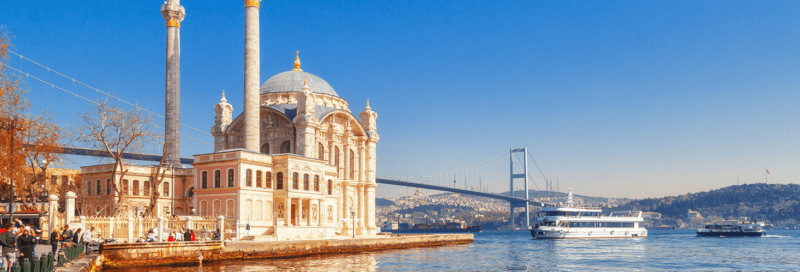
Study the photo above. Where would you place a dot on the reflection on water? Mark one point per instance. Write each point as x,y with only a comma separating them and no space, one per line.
663,250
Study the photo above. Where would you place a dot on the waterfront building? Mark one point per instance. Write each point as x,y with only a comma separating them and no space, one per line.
693,214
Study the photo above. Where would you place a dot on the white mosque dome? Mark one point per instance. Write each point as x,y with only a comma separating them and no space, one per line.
292,81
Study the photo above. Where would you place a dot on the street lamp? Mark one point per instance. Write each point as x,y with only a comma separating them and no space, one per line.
353,215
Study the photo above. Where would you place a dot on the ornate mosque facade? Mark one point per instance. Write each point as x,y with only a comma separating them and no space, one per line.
297,163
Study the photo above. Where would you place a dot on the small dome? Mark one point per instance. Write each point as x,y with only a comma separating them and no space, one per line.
292,81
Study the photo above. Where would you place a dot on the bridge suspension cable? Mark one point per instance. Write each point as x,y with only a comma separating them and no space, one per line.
84,98
95,89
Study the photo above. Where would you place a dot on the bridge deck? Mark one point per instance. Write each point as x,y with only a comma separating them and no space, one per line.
455,190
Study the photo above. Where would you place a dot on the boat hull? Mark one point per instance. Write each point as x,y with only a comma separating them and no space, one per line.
731,234
588,234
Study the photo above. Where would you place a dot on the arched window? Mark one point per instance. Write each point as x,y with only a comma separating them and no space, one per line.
316,183
336,161
108,186
295,178
230,178
217,179
166,188
89,187
135,187
279,181
190,192
321,151
286,147
265,149
268,184
305,182
352,165
124,186
258,178
330,187
98,187
248,180
204,180
146,188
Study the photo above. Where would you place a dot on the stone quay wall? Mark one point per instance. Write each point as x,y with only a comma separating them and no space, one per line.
182,253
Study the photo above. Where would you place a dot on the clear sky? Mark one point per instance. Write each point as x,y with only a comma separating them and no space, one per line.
614,98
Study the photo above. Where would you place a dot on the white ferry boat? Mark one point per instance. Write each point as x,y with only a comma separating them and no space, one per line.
567,221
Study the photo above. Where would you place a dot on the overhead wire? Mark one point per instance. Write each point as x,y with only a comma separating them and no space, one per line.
99,91
84,98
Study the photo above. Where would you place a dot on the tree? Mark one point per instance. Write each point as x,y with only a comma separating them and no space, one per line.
115,131
27,142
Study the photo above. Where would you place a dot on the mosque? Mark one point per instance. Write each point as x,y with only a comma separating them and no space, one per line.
297,163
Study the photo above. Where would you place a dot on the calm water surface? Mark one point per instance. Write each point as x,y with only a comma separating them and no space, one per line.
662,250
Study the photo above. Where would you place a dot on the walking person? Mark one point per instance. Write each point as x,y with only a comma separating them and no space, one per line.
87,238
193,239
8,241
54,238
26,242
187,235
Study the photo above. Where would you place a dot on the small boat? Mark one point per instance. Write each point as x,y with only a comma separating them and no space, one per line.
451,227
568,221
740,227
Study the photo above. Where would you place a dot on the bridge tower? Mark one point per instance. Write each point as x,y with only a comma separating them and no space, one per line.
524,177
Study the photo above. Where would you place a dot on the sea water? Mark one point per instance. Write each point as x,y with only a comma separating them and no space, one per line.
517,251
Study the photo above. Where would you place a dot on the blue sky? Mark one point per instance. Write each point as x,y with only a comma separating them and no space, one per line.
613,98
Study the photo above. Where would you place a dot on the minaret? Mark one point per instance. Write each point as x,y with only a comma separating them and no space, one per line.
252,62
222,119
173,13
368,122
305,121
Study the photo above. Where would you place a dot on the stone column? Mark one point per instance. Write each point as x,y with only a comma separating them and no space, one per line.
252,70
69,211
360,210
287,211
51,212
369,217
130,230
362,164
346,161
82,219
299,214
188,222
140,227
173,13
221,224
160,229
346,207
275,201
319,212
340,203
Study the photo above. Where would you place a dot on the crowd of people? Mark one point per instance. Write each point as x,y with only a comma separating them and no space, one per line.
18,241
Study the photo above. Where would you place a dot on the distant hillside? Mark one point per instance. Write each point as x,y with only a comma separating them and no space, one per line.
383,202
778,203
